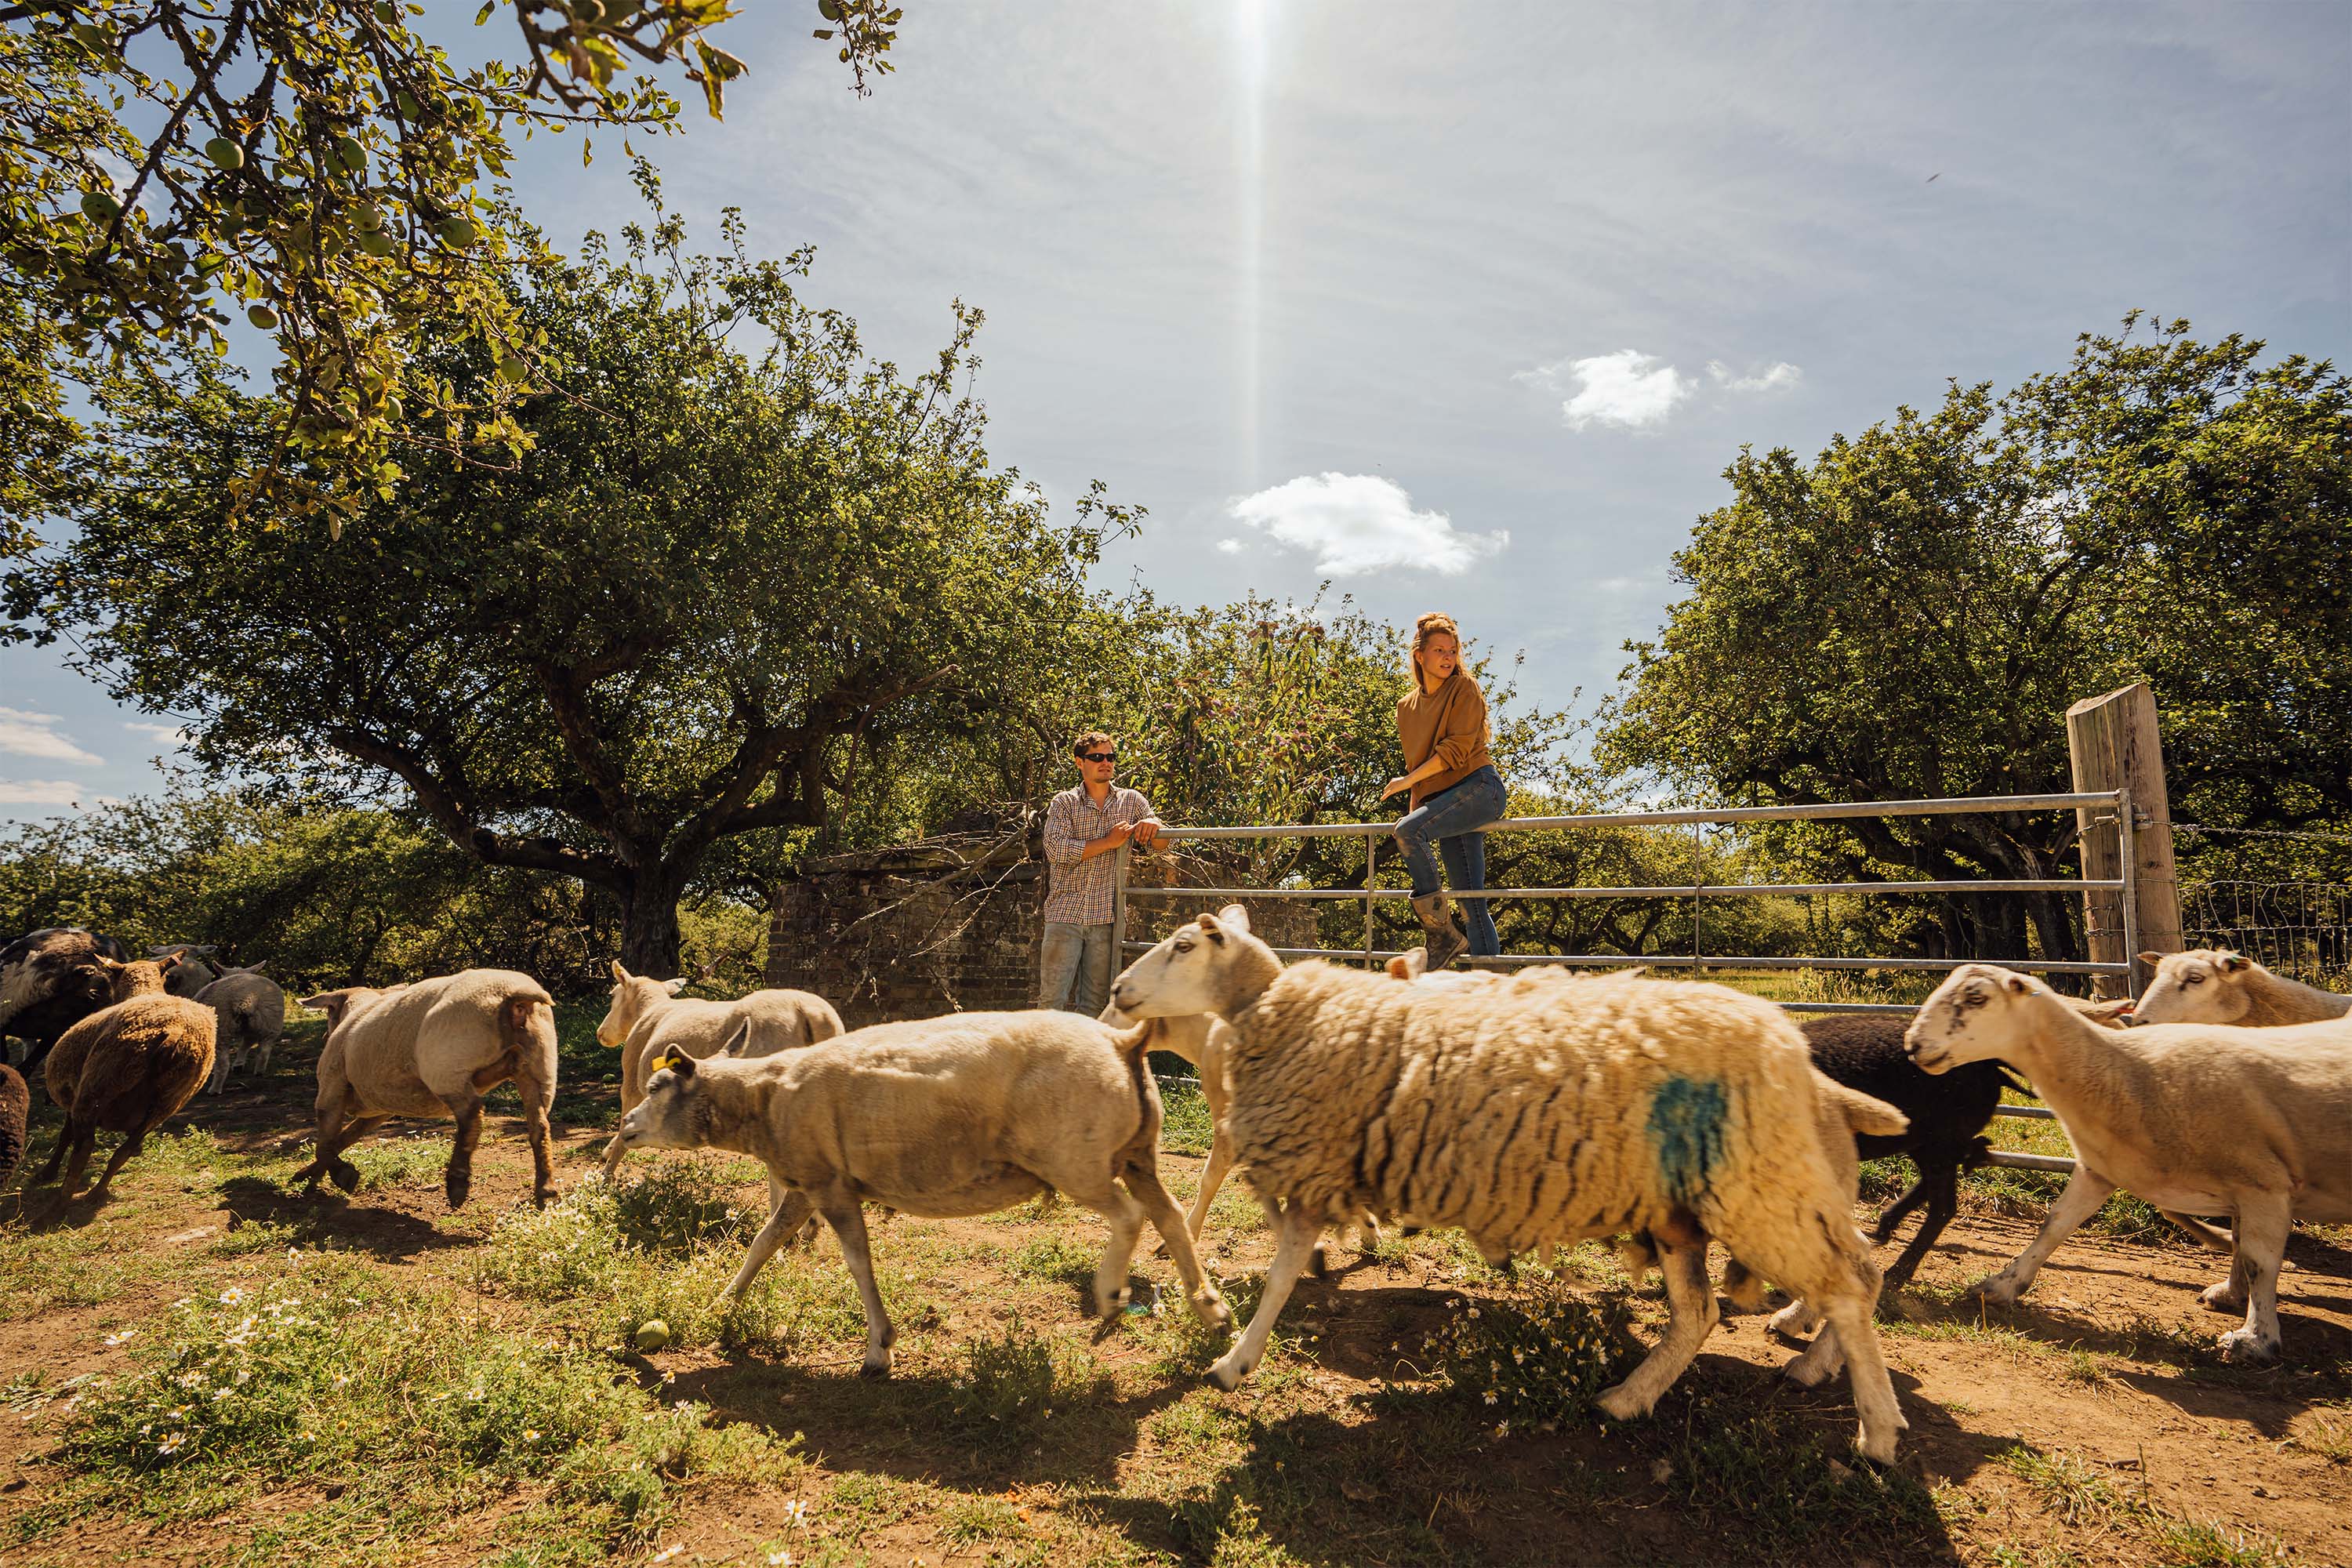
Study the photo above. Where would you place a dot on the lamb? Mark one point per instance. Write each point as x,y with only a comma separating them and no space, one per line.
647,1017
196,970
1534,1111
2255,1123
251,1012
128,1068
2215,985
50,981
434,1048
16,1106
965,1114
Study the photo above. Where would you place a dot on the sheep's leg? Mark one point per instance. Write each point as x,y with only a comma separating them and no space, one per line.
848,1222
787,1212
125,1152
1207,1305
1911,1199
779,1195
1820,1360
2262,1228
2086,1192
220,1073
330,1161
1742,1285
1212,1176
1691,1317
2207,1236
85,1140
1874,1392
1943,1184
538,1099
1298,1233
65,1136
457,1181
1126,1216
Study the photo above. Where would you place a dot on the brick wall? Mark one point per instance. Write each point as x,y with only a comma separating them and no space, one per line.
881,939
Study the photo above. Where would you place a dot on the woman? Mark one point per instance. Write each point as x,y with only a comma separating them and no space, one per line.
1455,792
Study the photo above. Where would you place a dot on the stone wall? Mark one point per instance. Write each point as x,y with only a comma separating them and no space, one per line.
912,933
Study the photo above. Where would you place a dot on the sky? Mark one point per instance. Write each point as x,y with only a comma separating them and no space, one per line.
1467,306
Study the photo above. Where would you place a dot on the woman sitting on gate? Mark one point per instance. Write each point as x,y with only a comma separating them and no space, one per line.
1455,792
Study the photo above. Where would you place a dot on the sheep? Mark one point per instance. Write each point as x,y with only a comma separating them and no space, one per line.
2255,1123
128,1067
648,1017
15,1106
197,967
965,1114
50,981
434,1048
1533,1112
1202,1041
2215,985
251,1011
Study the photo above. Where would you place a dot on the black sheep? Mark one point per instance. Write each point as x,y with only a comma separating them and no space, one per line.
1949,1115
16,1105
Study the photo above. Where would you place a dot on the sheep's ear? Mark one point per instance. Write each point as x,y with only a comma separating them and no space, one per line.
1409,965
170,961
679,1063
2232,962
1399,969
1235,916
2016,984
677,985
619,972
2151,959
1211,929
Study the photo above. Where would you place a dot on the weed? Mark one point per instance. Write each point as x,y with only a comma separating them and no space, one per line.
2085,1368
1058,1257
418,1160
969,1521
2327,1431
1011,1382
2206,1544
1540,1357
2077,1492
1185,1125
1760,1464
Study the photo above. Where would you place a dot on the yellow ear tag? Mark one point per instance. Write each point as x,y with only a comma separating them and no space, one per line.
667,1059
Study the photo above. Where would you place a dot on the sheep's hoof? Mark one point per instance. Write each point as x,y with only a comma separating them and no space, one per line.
1227,1373
1210,1307
2224,1297
458,1186
872,1368
343,1173
1793,1321
541,1197
1881,1452
1319,1266
1111,1303
1809,1370
2245,1347
1997,1290
1620,1403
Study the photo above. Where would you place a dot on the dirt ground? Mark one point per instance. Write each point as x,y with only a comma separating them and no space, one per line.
2093,1424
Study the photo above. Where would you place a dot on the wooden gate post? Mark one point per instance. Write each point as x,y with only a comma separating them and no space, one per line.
2113,743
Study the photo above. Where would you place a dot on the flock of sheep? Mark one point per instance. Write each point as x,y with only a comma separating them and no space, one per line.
1530,1112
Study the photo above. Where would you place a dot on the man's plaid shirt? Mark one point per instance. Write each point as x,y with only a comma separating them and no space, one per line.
1080,893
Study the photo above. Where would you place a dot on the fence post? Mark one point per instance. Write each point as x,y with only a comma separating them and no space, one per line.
1118,911
2113,745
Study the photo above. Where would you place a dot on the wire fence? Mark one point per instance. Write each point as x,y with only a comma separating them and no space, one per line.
2300,929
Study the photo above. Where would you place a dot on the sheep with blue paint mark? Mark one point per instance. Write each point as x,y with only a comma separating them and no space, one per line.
1536,1112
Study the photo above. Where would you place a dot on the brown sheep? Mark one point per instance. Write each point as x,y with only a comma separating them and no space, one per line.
126,1068
15,1104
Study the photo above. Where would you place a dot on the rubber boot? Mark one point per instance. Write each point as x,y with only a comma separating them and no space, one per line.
1446,940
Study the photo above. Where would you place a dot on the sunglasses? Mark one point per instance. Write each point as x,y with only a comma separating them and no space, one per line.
1097,756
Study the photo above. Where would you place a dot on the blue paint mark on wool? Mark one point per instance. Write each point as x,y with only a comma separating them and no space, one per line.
1686,1120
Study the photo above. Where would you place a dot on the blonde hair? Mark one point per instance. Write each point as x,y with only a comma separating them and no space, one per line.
1434,623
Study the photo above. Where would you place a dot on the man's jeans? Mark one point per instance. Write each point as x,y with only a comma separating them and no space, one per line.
1446,825
1075,953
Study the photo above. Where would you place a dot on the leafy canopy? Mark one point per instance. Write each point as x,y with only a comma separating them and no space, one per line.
740,553
317,166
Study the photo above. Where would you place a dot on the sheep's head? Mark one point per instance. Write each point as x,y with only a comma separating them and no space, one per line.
340,1004
632,995
1981,1011
2207,986
139,977
677,1112
1212,965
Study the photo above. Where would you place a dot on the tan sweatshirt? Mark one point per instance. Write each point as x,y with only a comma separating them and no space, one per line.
1450,723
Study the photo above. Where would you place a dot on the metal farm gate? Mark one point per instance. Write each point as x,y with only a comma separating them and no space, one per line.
2113,902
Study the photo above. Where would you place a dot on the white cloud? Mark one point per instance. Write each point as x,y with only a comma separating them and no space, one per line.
1229,547
39,792
32,735
170,734
1627,388
1362,522
1781,376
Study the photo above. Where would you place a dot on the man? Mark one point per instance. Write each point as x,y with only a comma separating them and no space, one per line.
1085,829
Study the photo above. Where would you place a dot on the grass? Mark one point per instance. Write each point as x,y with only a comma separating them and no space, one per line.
2076,1492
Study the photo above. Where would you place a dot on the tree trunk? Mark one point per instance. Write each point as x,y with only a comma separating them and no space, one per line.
650,923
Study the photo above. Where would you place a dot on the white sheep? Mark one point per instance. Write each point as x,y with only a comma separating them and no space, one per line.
943,1118
1535,1111
250,1010
2215,985
647,1017
2214,1118
434,1048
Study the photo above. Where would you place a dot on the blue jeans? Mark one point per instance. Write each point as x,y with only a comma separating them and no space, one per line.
1075,957
1446,824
